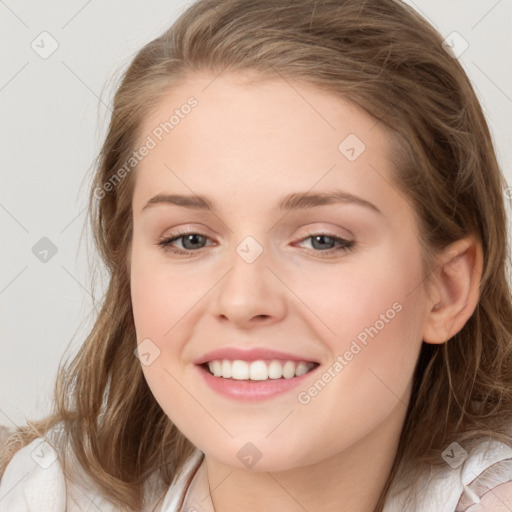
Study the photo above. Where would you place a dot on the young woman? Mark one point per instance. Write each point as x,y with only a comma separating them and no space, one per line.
303,218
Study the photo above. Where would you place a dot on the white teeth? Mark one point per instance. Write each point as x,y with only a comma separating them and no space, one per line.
239,370
301,369
217,368
275,370
258,370
289,370
226,369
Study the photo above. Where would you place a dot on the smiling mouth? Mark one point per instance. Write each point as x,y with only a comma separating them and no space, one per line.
259,370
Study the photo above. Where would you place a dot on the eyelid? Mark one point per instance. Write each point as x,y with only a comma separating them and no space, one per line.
191,229
185,229
345,245
312,231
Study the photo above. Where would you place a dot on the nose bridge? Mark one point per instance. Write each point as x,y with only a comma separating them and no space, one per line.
249,290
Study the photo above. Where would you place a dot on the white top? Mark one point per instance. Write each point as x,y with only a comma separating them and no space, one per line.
34,482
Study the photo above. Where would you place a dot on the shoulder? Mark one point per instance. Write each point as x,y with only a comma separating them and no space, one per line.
482,475
487,478
34,481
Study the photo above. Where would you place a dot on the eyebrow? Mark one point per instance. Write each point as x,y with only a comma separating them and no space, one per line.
294,201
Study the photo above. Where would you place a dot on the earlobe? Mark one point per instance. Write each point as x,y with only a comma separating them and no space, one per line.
456,281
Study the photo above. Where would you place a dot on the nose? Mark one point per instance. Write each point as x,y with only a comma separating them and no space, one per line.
250,294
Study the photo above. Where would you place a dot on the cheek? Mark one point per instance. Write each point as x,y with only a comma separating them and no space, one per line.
373,318
378,292
374,353
161,299
161,295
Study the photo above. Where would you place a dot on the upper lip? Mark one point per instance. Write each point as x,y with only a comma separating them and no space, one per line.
252,354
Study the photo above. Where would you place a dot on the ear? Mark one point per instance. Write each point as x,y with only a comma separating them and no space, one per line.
455,289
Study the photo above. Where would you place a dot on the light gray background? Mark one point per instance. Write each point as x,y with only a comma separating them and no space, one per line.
53,116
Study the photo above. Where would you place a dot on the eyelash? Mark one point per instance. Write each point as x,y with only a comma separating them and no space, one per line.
165,244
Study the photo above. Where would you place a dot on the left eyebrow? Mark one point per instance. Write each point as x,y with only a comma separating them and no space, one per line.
294,201
300,200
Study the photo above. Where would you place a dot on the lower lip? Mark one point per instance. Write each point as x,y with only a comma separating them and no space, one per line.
252,389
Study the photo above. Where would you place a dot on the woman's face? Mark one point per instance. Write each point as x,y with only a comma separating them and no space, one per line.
336,282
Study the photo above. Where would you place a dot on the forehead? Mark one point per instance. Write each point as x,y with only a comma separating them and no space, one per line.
261,106
259,135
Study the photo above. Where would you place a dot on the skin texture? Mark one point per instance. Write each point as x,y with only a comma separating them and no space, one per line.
497,500
245,146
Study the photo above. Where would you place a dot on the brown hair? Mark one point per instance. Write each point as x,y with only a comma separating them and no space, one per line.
386,58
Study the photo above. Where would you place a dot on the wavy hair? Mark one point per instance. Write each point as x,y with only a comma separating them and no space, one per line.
384,57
